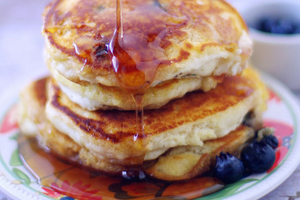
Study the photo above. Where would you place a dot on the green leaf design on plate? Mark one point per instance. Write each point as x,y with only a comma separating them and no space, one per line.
228,190
21,175
15,159
14,137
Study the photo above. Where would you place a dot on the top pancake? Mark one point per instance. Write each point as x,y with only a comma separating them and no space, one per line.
195,37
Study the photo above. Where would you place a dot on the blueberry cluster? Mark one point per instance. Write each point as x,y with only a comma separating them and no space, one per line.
257,157
279,25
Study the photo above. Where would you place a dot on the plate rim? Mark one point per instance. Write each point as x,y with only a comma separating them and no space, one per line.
11,190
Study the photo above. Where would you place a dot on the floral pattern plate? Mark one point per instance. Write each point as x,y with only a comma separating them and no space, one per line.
17,182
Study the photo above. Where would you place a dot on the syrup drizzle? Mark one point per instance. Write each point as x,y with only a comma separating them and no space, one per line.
135,58
139,113
122,60
135,70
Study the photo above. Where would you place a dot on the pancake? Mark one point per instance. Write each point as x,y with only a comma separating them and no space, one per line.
186,121
34,123
194,38
97,96
177,163
186,162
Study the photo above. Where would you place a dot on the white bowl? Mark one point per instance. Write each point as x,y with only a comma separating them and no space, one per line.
277,54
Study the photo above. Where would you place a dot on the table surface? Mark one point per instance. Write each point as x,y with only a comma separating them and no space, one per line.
21,59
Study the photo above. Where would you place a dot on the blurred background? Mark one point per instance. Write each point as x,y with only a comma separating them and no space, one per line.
21,61
21,42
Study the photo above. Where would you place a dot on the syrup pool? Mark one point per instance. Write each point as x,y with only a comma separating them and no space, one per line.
68,179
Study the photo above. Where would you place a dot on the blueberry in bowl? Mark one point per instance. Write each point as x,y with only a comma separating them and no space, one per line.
274,26
278,25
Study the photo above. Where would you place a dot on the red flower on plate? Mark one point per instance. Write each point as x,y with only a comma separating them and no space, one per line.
140,189
282,130
193,188
9,122
279,156
77,190
284,133
51,193
273,96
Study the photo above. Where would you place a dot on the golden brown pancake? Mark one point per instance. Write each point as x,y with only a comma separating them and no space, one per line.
197,38
186,162
108,141
98,96
177,163
190,120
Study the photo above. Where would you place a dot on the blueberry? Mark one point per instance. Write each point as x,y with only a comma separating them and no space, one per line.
228,168
284,26
266,135
67,198
266,25
248,119
278,25
271,140
297,30
133,175
258,157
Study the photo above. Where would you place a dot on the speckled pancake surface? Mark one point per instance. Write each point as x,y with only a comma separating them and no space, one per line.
195,37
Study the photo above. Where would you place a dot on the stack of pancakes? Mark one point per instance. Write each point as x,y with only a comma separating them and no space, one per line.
195,106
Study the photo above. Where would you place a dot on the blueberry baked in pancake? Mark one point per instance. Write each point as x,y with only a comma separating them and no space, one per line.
195,103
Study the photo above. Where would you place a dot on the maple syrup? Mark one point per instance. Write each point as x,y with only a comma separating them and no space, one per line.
135,61
135,83
134,50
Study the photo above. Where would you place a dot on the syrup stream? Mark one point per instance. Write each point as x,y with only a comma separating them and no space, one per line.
139,113
121,59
